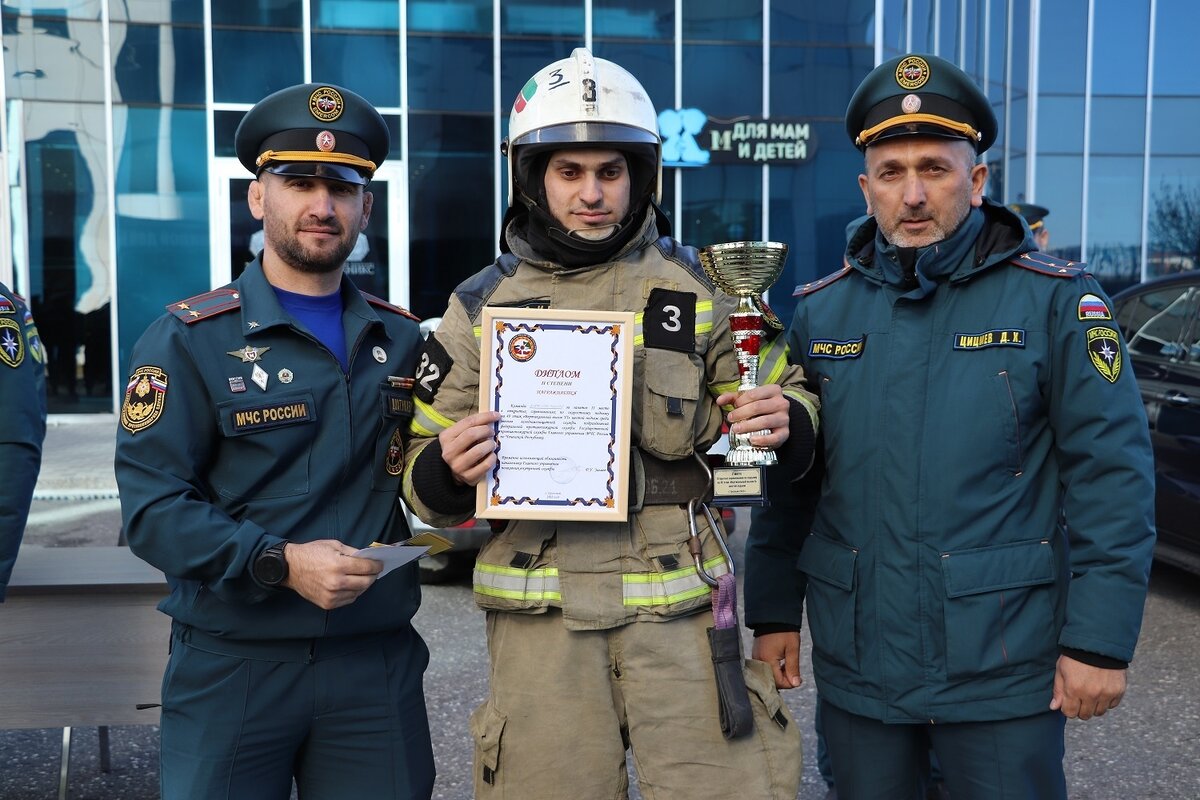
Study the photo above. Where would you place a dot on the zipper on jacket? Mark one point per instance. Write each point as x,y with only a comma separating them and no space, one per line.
1016,423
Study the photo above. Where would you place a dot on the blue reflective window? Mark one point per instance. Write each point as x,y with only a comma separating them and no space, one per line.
1060,189
450,73
225,125
62,9
721,203
249,65
1176,56
450,16
652,64
811,205
851,22
723,80
972,58
997,27
1018,120
537,17
162,206
1014,184
65,175
634,19
1120,42
920,13
1021,43
1118,125
816,81
895,32
53,59
1176,121
258,13
1115,219
339,58
1174,214
997,179
1062,56
948,32
379,15
145,52
1060,128
451,179
720,20
169,11
521,59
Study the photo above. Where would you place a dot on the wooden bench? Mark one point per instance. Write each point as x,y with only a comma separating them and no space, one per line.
81,643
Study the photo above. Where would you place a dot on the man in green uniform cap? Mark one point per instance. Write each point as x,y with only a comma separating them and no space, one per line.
1035,218
973,398
22,423
260,448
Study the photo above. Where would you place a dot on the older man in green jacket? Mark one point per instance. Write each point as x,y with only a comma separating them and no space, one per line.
974,557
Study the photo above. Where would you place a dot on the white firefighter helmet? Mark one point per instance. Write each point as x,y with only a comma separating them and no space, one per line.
580,100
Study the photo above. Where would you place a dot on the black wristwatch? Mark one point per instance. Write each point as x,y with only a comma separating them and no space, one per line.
271,568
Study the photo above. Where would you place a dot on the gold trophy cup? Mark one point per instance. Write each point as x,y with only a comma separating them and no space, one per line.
744,270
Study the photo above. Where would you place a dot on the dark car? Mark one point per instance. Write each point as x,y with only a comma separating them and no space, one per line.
1160,320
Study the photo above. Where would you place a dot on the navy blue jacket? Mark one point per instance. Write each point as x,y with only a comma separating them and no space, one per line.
964,417
22,423
214,466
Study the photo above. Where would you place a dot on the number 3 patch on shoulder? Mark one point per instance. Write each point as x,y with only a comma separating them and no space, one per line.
669,322
432,370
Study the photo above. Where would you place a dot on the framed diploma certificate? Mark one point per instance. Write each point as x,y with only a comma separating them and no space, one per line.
561,381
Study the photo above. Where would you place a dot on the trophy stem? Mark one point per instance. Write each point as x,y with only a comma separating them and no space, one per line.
744,270
747,329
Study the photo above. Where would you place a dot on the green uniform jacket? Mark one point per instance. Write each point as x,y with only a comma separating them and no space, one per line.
214,466
960,428
22,423
602,574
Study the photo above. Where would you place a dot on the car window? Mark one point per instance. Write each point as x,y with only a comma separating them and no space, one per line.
1154,322
1191,336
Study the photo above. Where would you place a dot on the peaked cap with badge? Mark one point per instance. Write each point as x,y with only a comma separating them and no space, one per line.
316,130
1034,215
920,95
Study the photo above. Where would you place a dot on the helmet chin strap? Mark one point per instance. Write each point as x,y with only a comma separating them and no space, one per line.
596,234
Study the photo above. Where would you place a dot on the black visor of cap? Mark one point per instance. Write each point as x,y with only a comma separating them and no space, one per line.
317,169
931,104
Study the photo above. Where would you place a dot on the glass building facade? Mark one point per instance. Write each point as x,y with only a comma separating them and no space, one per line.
122,193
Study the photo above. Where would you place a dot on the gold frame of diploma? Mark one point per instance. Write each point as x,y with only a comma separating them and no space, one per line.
562,381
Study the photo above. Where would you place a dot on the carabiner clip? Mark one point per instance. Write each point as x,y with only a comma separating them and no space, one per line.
695,546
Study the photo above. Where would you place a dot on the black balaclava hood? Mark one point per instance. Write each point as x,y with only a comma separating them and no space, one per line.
544,233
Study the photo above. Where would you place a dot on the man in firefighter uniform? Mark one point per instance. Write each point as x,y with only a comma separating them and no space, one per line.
976,566
597,631
260,446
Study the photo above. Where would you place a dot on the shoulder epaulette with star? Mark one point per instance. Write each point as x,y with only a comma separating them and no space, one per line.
808,288
379,301
1049,265
206,305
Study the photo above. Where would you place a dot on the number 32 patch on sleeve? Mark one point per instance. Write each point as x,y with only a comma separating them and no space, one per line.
669,322
433,368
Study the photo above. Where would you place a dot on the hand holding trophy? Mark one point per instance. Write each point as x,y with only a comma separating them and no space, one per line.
744,270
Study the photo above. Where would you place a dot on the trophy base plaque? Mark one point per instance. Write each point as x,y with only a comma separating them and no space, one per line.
739,486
